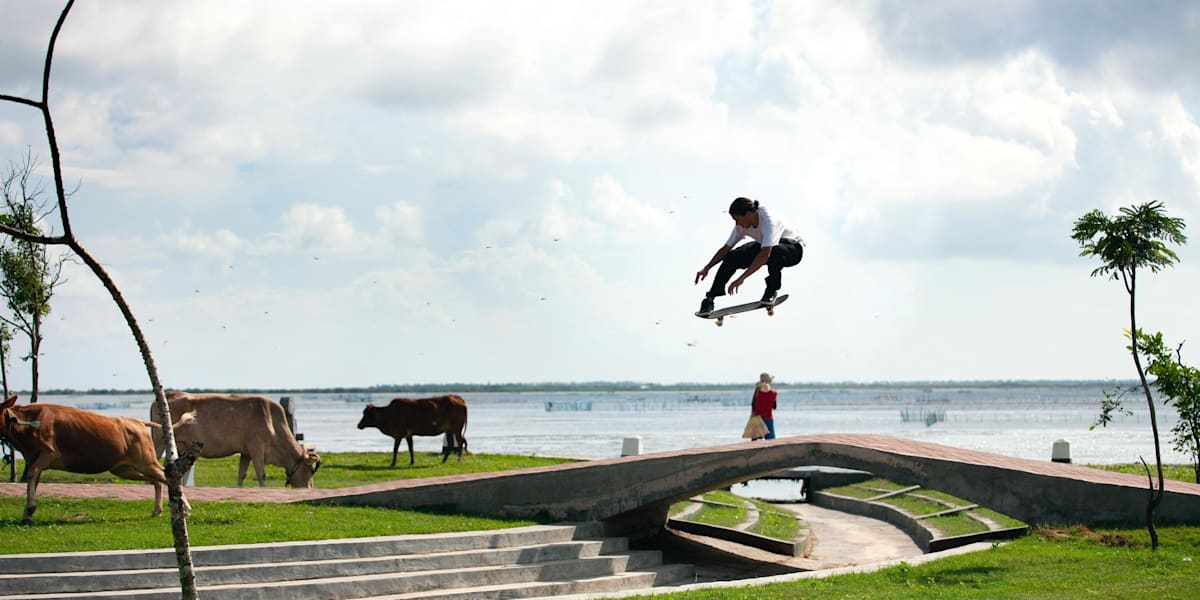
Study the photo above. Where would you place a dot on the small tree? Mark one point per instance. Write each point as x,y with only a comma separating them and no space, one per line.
1179,386
176,465
1135,239
28,274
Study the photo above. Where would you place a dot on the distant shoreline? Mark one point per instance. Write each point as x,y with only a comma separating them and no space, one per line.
604,386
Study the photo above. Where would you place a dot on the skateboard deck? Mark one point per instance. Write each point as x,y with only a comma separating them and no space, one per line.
720,315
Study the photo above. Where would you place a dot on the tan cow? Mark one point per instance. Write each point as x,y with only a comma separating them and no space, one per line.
66,438
228,424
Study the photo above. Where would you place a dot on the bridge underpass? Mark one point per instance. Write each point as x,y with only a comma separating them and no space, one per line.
633,494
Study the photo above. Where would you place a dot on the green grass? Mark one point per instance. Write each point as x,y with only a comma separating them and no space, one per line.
77,524
1176,472
74,525
775,522
866,489
955,524
915,505
922,502
1003,521
1049,564
722,516
339,469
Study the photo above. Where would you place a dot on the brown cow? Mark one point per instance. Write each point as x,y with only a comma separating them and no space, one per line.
228,424
405,417
79,441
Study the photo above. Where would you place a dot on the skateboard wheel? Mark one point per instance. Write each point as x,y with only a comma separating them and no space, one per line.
770,312
720,321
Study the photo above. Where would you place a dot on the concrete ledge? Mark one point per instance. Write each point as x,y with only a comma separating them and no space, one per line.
926,539
738,536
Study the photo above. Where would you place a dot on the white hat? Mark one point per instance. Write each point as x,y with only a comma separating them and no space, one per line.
766,378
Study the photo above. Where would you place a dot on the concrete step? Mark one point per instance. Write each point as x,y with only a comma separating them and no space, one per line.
630,580
256,573
525,562
242,554
366,586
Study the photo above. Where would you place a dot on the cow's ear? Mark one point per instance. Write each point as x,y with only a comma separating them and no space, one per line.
7,403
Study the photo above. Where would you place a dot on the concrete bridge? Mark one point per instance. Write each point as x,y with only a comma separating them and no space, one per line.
632,494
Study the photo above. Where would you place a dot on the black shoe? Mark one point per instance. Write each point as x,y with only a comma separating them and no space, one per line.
706,307
768,298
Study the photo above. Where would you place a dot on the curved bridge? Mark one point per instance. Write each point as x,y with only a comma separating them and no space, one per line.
633,493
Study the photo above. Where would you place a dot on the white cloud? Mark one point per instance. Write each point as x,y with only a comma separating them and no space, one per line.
220,246
401,222
1180,130
396,142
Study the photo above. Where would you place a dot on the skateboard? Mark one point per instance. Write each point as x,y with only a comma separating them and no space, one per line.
720,315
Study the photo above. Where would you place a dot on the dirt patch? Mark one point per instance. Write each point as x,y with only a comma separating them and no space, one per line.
1082,532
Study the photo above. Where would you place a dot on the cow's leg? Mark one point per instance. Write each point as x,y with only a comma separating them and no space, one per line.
141,474
411,459
243,465
395,450
34,472
260,467
462,443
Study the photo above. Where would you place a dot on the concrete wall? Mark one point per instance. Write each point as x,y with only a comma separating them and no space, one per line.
633,493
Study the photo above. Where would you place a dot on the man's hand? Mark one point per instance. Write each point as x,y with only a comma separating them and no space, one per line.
737,283
701,274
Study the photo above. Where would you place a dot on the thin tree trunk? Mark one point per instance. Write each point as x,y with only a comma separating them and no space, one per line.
9,451
1156,495
35,341
183,555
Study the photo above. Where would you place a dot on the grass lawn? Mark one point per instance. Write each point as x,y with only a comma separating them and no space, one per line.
1061,564
63,524
773,521
338,469
1176,472
76,525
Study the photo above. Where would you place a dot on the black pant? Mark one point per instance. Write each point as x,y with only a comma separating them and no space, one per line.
786,254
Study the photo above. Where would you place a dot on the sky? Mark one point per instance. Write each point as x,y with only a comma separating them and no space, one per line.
314,194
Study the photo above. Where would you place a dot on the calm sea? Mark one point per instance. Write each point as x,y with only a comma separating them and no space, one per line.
1020,420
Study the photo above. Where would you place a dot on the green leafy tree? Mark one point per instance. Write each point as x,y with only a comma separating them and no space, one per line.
1133,241
1179,387
28,273
176,465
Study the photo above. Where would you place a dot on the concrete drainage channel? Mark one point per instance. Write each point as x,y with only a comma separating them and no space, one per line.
525,562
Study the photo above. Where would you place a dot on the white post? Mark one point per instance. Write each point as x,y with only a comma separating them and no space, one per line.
632,446
1061,452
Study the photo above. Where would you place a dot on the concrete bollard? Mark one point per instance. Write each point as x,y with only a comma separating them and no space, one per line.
632,446
289,411
1061,452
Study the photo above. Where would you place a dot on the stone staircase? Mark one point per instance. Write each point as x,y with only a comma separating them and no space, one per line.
524,562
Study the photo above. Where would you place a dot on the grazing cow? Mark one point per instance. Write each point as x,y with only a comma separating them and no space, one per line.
228,424
405,417
66,438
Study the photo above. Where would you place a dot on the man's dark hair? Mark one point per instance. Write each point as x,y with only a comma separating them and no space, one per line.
742,206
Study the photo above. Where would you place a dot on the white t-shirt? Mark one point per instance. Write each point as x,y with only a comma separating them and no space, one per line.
771,228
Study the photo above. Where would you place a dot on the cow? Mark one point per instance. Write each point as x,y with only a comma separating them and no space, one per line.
66,438
403,418
228,424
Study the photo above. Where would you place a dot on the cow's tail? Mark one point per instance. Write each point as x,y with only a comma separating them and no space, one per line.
156,433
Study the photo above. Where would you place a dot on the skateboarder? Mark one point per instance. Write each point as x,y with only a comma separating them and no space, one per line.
775,244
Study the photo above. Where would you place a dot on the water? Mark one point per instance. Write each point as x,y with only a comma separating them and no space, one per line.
1018,420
